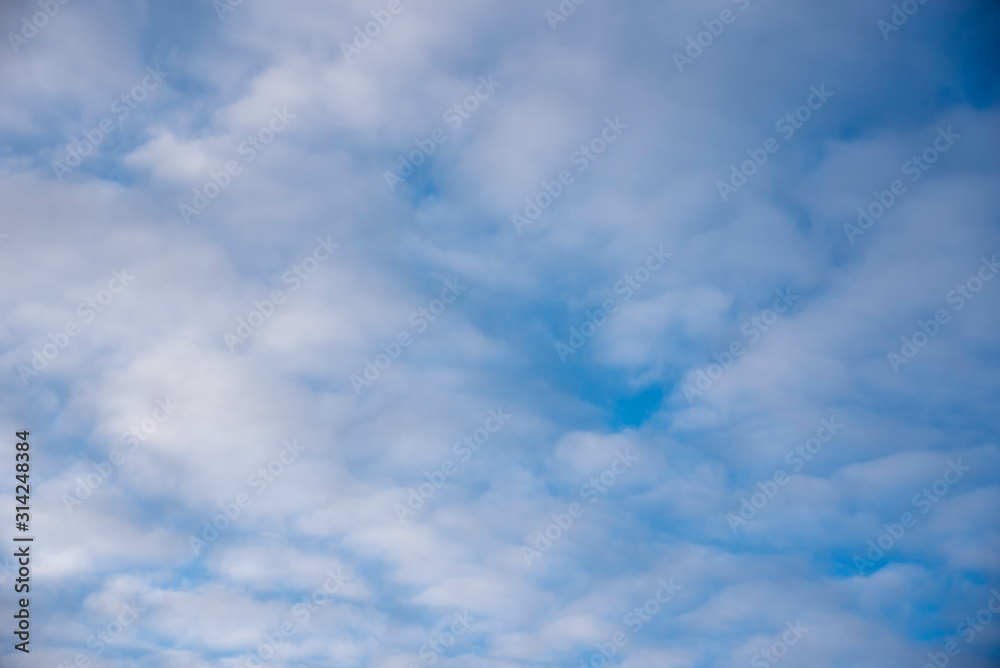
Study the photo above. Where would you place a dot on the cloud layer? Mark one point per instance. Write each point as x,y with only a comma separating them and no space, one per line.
503,334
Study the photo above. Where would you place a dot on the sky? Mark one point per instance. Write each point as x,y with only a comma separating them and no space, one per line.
501,334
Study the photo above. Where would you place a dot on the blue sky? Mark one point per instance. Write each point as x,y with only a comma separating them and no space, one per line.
610,441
